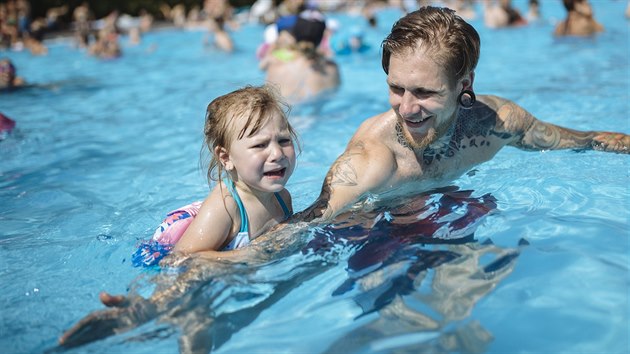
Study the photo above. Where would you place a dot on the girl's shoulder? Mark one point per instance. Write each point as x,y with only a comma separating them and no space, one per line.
222,200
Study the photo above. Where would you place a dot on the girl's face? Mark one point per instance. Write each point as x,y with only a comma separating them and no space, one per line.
265,160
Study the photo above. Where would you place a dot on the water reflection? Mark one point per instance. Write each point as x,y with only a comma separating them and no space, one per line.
415,291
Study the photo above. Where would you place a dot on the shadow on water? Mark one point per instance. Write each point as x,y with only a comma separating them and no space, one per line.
414,270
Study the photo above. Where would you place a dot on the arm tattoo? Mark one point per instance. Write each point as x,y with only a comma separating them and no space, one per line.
545,136
342,173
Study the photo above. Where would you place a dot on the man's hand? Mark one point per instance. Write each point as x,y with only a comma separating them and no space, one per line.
614,142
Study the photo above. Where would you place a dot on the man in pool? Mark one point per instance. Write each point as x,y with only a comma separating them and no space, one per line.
437,128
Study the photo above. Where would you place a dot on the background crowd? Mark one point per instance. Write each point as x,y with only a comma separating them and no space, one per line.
24,24
298,56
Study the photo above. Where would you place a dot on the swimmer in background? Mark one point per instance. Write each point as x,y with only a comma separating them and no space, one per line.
83,17
218,16
8,76
34,38
533,11
222,39
107,45
501,14
579,20
295,65
350,42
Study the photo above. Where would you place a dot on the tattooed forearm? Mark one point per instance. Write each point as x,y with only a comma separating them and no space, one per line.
315,211
544,136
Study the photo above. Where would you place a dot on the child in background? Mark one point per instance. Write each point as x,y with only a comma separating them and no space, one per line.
253,155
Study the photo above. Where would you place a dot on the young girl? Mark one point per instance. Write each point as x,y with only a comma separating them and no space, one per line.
253,155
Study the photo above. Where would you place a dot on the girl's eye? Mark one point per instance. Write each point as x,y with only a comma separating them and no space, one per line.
285,141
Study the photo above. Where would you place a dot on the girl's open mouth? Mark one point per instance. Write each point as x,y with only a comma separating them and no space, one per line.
275,173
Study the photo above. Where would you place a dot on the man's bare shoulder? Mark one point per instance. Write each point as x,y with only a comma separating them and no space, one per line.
509,116
377,128
371,145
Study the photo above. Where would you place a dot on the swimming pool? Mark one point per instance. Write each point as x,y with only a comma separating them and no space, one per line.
103,149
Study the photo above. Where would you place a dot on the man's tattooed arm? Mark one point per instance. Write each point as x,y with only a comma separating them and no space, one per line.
545,136
354,173
341,174
535,135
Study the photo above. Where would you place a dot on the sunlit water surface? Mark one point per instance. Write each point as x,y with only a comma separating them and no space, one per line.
103,149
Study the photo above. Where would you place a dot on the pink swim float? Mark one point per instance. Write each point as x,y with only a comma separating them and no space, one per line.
149,253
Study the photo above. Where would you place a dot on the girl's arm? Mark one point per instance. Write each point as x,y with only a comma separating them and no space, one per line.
212,225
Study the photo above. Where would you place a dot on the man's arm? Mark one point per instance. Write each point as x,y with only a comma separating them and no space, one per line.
535,135
359,170
546,136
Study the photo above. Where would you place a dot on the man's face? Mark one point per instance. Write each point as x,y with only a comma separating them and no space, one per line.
420,94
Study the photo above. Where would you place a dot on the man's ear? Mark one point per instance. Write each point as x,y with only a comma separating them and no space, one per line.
467,81
224,157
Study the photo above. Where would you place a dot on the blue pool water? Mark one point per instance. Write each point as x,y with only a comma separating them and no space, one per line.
103,149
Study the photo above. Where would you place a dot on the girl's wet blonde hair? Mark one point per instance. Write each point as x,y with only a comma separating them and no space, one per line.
256,105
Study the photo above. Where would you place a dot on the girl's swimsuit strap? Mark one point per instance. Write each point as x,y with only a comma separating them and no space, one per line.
286,211
241,208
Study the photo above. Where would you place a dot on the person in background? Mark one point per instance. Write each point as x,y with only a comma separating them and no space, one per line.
8,76
221,38
34,38
53,17
533,11
217,15
464,8
501,14
82,24
348,42
296,66
580,20
290,7
107,45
